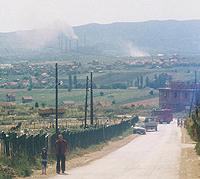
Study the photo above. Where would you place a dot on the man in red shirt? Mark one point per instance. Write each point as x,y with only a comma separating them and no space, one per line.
61,148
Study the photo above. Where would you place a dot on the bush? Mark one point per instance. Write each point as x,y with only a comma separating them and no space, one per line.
6,172
36,104
19,163
101,93
151,92
197,148
29,89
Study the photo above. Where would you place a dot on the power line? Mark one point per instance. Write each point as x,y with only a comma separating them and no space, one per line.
6,51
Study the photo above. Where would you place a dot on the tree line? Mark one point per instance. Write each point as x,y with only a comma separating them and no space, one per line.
159,81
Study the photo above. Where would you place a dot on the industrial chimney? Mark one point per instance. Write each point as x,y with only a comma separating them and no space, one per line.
70,44
66,45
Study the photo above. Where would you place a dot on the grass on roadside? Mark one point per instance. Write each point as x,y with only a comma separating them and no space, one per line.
192,131
18,165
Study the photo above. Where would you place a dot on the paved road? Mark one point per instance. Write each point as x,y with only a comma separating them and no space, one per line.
151,156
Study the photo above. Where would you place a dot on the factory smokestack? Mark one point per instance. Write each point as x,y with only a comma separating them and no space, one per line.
70,44
58,42
61,45
77,44
66,45
84,41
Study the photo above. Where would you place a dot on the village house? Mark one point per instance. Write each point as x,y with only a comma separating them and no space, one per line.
101,103
108,66
11,84
68,103
178,96
27,99
69,64
95,62
7,104
44,75
10,97
24,82
33,79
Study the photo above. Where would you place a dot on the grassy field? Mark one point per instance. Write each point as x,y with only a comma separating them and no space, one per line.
78,96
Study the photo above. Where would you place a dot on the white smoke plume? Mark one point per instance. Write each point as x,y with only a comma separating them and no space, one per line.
131,50
60,27
40,37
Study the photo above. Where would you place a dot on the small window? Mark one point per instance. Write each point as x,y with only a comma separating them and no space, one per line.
165,94
175,95
186,95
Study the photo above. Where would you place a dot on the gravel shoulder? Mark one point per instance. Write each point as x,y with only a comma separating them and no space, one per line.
189,167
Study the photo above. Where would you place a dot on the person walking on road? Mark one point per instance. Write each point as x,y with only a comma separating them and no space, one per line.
44,158
178,121
61,148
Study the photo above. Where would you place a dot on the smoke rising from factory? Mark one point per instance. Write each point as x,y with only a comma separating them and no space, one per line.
133,51
40,37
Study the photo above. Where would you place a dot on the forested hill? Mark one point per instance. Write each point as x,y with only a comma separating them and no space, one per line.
116,39
150,37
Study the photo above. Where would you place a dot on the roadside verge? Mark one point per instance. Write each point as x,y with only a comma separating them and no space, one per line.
189,160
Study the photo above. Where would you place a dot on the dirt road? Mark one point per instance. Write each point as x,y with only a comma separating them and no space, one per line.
152,156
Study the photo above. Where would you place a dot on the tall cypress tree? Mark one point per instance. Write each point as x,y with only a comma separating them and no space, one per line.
70,83
75,80
141,82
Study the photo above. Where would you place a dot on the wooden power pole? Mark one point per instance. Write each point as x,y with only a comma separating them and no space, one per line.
86,101
56,98
91,104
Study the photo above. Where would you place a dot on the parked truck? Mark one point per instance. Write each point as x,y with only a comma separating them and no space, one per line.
151,123
163,115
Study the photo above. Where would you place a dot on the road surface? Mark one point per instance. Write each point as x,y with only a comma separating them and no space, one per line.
152,156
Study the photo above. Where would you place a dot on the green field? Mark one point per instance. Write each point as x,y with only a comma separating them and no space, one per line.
48,96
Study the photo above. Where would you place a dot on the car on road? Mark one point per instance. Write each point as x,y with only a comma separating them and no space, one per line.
139,128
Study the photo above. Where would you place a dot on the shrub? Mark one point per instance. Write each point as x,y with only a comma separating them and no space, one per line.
101,93
29,89
151,92
19,163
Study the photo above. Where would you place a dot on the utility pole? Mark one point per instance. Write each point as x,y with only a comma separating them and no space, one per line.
91,104
56,98
196,93
86,101
110,81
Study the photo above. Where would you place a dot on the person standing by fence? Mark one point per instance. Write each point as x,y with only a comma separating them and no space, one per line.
44,158
61,148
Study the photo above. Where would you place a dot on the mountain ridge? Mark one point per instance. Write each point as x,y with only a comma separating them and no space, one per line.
116,39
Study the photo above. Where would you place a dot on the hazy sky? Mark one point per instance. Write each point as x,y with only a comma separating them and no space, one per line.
32,14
